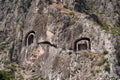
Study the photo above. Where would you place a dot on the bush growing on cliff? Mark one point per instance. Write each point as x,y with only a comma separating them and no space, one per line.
107,68
6,76
71,13
72,22
105,26
69,53
12,68
118,42
41,78
49,1
102,61
105,52
65,6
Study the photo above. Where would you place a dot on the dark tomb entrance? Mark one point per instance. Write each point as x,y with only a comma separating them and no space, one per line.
82,44
82,47
29,39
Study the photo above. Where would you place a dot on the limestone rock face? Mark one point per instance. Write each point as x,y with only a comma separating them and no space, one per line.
61,39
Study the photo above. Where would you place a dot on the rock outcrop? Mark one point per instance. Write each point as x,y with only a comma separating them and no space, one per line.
61,39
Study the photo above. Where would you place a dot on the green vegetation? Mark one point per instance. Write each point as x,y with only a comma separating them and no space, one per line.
113,78
107,68
21,77
87,55
69,53
91,5
105,26
1,40
72,22
97,71
8,62
41,78
23,68
62,78
12,67
49,1
4,75
17,4
102,61
102,11
116,32
92,72
65,6
119,4
5,50
71,13
70,8
105,52
73,3
21,24
118,42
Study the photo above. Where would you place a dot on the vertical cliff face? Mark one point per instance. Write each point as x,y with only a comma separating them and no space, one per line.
61,39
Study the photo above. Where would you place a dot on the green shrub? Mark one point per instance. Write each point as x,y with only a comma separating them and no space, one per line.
105,26
69,53
62,78
12,67
92,72
107,68
21,77
115,31
72,22
102,61
21,24
71,13
114,78
6,76
1,40
8,62
87,55
118,42
105,52
97,71
5,50
49,1
42,78
102,11
65,6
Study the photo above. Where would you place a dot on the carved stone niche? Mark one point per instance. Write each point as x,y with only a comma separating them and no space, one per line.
82,44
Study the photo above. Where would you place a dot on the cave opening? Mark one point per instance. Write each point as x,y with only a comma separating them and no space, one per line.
29,39
82,44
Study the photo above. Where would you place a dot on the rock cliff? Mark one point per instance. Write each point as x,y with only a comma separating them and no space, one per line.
60,39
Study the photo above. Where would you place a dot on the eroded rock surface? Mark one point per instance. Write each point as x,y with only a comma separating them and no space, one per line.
61,39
